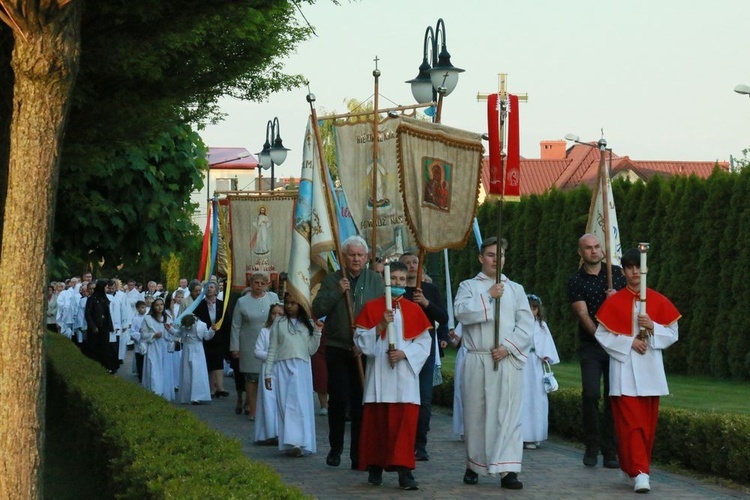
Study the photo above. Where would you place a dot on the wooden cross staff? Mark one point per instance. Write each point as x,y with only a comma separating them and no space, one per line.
503,102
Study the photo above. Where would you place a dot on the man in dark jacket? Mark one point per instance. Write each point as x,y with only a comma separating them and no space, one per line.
344,385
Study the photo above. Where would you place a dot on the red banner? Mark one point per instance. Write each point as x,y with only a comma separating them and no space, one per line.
512,185
508,183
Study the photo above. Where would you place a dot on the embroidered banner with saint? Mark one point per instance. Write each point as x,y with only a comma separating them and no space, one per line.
354,144
261,234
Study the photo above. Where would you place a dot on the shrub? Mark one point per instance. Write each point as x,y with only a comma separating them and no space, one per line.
141,446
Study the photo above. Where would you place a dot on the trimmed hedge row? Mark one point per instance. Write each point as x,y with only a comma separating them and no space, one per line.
708,443
139,445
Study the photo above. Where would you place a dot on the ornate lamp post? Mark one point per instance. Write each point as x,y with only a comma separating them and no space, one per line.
437,76
272,154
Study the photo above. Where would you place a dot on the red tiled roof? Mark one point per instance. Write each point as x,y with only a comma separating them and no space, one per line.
231,159
580,166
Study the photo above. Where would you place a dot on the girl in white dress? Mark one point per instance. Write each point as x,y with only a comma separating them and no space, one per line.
266,414
535,402
194,385
158,374
293,340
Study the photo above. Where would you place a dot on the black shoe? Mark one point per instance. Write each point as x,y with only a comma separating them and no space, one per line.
611,463
421,455
471,477
334,458
406,481
590,458
223,394
511,482
355,465
375,475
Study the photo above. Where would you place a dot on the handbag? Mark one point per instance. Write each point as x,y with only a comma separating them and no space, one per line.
548,379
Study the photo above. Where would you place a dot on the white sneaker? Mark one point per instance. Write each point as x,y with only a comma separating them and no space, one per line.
323,411
529,446
641,483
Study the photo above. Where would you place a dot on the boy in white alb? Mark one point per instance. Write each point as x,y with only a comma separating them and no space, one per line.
636,369
391,393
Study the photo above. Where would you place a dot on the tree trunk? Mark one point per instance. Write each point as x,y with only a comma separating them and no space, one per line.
45,63
6,104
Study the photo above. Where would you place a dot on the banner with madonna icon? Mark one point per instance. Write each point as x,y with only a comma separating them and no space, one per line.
439,171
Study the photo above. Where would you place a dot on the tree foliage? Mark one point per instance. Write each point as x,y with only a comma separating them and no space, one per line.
148,71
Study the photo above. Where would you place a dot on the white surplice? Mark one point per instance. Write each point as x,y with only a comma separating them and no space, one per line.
633,374
386,384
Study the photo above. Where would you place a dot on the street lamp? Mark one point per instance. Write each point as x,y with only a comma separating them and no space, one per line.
440,77
742,89
272,154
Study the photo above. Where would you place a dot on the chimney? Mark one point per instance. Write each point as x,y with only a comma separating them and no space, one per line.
552,150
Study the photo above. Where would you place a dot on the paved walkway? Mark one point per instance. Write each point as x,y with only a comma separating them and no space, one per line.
553,471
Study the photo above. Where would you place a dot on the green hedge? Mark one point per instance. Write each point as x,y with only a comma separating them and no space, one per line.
139,445
700,250
708,443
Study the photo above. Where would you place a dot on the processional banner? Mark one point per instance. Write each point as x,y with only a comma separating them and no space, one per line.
595,223
261,234
354,145
312,236
439,169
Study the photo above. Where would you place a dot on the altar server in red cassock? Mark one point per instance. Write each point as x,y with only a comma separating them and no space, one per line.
391,394
636,369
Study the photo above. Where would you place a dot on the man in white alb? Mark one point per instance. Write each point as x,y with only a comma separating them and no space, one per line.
492,398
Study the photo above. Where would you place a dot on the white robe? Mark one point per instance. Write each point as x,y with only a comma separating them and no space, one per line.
386,384
492,399
158,375
458,404
67,306
633,374
266,411
535,402
80,325
289,350
194,384
122,316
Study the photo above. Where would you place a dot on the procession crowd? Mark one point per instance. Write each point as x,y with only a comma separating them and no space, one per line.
380,377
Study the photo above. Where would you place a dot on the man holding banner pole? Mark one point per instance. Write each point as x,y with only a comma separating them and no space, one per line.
344,387
587,290
492,397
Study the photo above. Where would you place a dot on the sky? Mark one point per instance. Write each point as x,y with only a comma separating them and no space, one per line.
656,75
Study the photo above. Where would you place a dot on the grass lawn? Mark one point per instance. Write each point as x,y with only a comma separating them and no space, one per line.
687,392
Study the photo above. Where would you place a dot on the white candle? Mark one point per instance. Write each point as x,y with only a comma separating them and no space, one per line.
643,247
389,303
